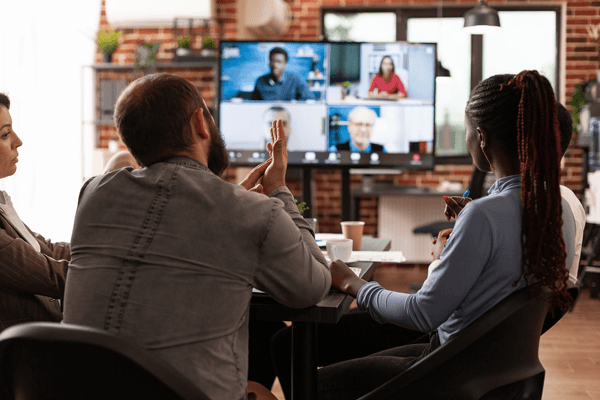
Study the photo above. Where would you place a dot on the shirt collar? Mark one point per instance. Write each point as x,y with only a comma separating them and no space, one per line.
357,150
185,162
272,81
506,183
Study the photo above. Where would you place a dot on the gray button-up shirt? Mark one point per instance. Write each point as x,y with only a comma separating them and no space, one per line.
168,255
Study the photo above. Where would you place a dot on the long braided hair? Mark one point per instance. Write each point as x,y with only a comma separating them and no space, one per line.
520,114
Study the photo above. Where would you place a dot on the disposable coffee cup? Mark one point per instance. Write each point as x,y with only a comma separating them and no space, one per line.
353,230
339,249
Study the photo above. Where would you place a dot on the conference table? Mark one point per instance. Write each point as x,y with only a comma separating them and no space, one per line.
304,322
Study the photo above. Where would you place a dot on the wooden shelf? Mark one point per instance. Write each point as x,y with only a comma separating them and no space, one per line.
205,63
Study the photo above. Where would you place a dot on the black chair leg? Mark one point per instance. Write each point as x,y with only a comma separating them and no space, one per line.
594,284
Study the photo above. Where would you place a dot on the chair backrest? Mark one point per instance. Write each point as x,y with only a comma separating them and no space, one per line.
551,320
44,360
497,349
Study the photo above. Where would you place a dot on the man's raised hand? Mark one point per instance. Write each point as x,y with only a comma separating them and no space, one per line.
274,176
251,181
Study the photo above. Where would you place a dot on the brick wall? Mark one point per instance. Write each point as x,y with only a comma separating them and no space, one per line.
582,62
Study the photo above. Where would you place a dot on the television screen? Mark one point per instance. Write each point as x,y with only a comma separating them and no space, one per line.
342,104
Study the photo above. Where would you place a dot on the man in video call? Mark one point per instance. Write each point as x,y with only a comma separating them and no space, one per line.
278,84
360,126
273,114
168,255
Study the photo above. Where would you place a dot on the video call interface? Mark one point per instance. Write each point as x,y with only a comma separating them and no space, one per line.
361,104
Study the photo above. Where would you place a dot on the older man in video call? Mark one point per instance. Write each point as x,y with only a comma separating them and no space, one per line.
360,127
273,114
167,255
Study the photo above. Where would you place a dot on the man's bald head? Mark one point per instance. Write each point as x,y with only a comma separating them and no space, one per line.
360,126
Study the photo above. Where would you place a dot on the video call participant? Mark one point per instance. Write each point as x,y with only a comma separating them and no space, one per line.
360,126
515,227
279,84
386,82
273,114
573,213
167,255
33,270
260,364
358,335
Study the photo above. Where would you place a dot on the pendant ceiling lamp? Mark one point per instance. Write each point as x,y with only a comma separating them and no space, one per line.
481,19
440,71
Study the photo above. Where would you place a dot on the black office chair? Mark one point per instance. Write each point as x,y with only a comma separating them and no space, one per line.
589,263
496,352
44,360
551,320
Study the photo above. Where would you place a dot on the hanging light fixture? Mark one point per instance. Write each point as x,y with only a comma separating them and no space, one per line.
440,71
481,19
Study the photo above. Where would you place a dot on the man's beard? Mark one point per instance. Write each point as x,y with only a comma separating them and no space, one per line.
218,158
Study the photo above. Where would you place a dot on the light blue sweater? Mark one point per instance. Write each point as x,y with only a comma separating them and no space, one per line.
477,268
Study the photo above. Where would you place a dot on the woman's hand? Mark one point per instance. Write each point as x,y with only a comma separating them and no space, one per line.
344,280
454,205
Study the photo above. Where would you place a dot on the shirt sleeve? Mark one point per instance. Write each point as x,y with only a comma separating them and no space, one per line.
25,269
373,84
56,250
400,85
256,93
303,92
293,269
464,257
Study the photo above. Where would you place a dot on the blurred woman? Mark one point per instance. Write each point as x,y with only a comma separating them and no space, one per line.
501,243
386,84
32,269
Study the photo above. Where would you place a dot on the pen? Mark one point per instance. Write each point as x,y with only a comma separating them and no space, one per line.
465,195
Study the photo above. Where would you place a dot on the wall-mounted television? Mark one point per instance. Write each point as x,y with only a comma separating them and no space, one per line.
340,103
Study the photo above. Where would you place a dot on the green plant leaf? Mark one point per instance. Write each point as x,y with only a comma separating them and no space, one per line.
208,43
184,42
108,40
301,206
578,99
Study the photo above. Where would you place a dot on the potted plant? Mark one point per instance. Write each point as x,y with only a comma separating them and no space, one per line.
108,42
146,55
184,43
301,206
311,221
208,47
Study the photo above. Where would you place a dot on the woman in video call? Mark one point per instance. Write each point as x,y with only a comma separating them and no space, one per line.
387,82
501,243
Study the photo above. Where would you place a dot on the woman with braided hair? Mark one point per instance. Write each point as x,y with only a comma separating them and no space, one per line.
531,154
505,241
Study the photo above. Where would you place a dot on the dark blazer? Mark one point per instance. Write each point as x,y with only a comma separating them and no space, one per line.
30,282
346,146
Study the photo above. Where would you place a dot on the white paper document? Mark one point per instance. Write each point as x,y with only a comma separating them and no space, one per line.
388,257
378,256
322,238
